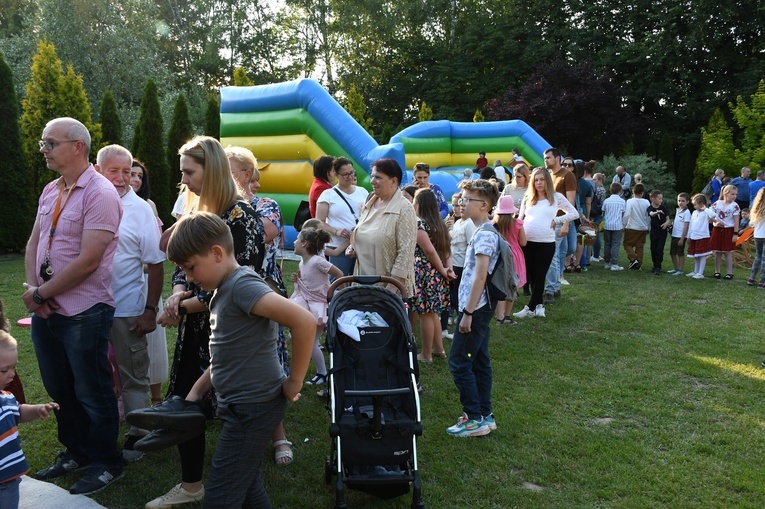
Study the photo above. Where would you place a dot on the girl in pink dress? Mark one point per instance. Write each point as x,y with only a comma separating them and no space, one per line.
512,230
311,286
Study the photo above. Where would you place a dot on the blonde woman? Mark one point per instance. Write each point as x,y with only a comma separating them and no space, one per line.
517,188
538,212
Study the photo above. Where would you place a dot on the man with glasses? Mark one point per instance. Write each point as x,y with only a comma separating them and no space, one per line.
565,183
421,177
68,265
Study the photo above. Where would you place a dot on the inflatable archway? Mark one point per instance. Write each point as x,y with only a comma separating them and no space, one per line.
288,125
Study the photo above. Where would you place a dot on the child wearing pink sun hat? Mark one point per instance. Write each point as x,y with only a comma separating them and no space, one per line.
512,230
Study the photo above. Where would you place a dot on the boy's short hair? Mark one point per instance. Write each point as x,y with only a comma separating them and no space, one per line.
638,189
685,196
654,193
195,234
700,198
7,342
484,188
615,188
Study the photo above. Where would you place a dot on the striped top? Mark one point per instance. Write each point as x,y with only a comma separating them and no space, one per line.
13,464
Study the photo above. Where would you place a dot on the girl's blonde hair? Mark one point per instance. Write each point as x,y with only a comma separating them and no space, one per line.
727,189
757,211
505,223
520,169
532,195
219,190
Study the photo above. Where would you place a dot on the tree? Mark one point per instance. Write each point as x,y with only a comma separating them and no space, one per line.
478,116
654,171
148,147
425,113
241,79
109,117
582,114
180,132
717,151
75,104
16,213
357,108
212,116
41,104
751,121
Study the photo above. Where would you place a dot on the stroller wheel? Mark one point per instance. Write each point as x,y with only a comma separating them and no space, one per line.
328,470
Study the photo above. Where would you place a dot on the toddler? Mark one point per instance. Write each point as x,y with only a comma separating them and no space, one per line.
698,235
679,235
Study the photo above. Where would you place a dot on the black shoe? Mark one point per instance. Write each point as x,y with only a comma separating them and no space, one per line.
174,413
548,298
556,294
163,438
318,379
129,454
66,462
97,478
634,264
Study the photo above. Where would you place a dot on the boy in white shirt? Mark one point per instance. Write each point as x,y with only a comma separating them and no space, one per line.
637,224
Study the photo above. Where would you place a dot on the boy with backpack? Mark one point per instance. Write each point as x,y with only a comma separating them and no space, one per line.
469,361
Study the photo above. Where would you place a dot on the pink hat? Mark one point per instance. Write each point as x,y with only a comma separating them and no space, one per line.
506,205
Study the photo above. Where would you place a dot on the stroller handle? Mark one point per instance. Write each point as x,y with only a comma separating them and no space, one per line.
367,280
377,392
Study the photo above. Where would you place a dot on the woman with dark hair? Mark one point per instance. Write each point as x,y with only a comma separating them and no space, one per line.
323,176
338,210
139,181
384,239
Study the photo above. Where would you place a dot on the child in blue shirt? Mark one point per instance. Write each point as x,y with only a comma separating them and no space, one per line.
13,464
469,356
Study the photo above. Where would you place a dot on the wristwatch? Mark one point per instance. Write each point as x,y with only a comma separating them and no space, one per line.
37,297
152,308
182,309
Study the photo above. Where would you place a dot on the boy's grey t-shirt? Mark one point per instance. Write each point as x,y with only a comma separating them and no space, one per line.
245,367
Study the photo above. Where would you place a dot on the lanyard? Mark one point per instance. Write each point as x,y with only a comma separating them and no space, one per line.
56,214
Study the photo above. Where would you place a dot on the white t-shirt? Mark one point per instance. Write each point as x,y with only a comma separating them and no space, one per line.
759,230
636,214
538,218
138,244
340,215
461,233
699,227
681,217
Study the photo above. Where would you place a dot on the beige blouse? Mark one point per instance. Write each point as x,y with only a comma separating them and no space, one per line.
384,240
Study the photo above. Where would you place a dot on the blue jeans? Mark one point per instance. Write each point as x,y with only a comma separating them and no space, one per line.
343,263
72,356
235,477
470,366
9,494
557,263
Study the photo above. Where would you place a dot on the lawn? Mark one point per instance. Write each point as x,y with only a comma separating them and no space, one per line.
635,391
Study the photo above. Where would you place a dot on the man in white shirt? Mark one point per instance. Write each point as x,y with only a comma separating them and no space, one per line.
136,312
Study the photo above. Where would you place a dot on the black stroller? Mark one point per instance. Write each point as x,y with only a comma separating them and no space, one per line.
373,401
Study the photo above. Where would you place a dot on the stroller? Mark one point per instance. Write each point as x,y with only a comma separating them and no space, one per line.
373,401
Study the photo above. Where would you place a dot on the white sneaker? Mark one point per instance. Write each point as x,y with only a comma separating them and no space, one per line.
690,274
594,259
564,282
539,312
176,496
451,320
607,266
524,313
446,335
698,276
616,267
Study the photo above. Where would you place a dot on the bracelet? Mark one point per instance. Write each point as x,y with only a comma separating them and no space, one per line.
466,312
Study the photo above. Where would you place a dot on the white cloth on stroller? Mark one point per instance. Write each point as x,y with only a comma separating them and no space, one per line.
352,320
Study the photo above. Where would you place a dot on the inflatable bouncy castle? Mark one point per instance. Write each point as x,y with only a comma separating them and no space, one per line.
288,125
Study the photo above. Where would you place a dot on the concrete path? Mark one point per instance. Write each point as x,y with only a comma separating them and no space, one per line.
36,494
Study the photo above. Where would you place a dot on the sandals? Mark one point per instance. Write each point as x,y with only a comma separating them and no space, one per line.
728,277
426,360
717,275
318,379
568,268
284,457
506,321
577,268
442,353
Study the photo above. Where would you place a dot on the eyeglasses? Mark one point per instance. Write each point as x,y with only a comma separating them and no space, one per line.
568,165
50,145
345,175
465,201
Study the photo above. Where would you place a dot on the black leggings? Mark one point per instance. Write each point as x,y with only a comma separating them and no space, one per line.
538,256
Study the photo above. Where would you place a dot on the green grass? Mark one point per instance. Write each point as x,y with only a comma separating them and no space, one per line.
635,391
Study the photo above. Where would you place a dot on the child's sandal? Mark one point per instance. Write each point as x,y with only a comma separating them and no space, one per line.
717,275
284,457
728,277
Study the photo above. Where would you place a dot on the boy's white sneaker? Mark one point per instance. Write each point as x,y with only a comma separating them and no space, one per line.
176,496
539,312
607,266
594,259
616,268
524,313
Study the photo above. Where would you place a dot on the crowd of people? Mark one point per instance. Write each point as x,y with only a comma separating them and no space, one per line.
94,278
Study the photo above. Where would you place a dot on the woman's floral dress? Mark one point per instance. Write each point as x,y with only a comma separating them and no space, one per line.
431,290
